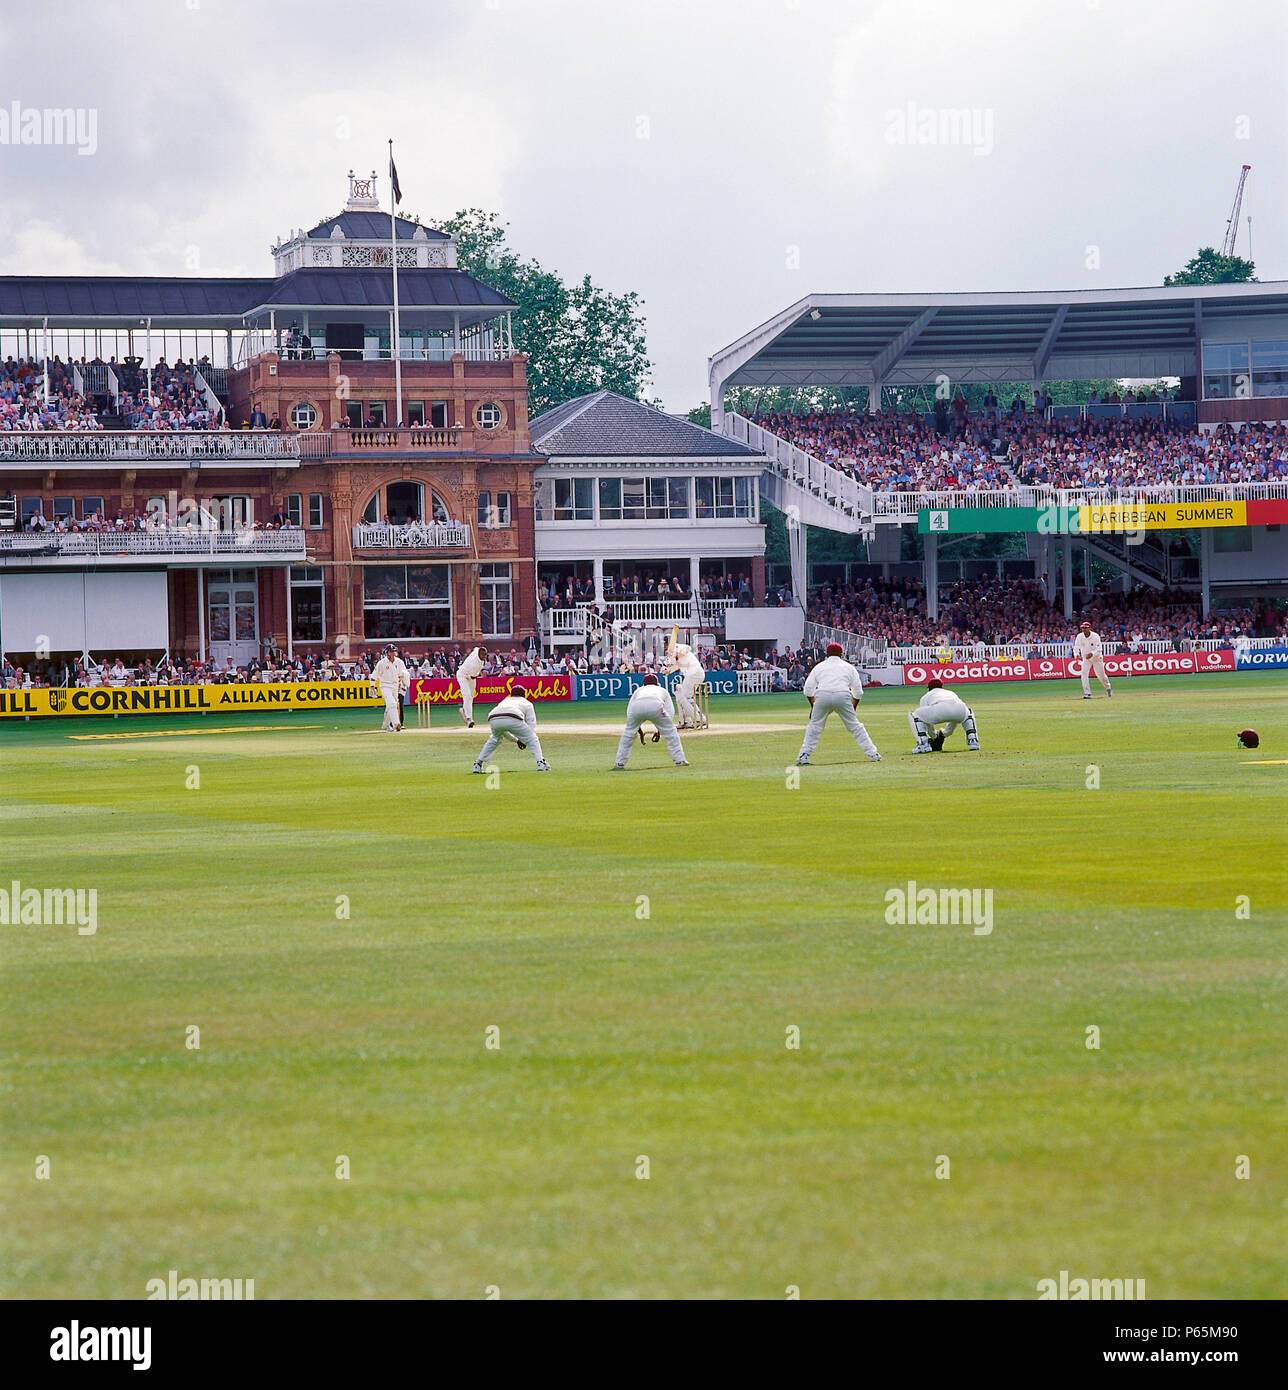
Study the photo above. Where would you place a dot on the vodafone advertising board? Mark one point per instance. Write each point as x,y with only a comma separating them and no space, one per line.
1047,668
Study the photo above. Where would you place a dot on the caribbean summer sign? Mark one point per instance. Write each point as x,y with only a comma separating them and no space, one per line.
1137,516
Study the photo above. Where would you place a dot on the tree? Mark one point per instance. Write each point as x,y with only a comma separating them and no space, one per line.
1209,267
579,337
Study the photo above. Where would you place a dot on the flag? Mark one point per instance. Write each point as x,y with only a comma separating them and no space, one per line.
393,180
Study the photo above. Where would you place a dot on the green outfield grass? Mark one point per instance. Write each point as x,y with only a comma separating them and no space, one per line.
518,906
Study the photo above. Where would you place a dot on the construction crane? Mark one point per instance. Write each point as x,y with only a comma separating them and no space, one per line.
1232,225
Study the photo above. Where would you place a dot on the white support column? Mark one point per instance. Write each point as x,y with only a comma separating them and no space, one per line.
695,575
201,614
930,574
1205,568
290,626
598,565
1048,568
1066,573
874,398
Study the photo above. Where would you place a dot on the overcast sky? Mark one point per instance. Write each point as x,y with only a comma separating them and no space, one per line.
723,158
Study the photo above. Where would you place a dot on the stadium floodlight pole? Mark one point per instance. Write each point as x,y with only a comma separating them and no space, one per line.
395,197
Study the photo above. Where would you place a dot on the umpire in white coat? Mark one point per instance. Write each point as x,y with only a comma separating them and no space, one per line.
834,687
651,703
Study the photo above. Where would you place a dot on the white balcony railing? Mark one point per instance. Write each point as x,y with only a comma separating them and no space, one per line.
177,542
130,446
416,535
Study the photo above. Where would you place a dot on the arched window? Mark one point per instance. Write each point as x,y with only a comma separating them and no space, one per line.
402,502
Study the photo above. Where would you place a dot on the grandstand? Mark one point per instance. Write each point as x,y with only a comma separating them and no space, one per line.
1118,483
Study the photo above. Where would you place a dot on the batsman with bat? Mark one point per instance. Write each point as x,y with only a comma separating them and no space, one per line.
680,658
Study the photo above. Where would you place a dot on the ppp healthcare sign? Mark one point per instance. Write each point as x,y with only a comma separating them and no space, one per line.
1067,667
187,699
488,690
621,685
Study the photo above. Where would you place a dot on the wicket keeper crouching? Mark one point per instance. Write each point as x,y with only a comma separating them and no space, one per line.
940,706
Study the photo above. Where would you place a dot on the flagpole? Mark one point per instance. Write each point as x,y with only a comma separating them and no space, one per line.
393,251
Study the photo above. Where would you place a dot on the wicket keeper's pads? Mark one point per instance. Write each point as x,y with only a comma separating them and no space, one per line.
969,724
1249,738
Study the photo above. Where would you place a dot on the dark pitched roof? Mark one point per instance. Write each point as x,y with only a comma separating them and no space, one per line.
372,226
128,296
82,297
417,289
604,424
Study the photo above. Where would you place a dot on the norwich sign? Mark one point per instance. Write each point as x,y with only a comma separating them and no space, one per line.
1118,517
187,699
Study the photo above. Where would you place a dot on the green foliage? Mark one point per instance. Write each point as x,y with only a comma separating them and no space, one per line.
1210,267
579,337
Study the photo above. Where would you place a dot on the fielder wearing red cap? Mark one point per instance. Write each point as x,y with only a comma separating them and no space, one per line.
938,714
834,687
1086,648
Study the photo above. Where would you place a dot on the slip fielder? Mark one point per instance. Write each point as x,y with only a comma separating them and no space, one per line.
834,687
467,675
941,706
1086,647
393,680
692,675
515,718
651,703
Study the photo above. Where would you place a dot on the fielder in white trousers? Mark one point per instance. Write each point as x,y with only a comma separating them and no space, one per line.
834,687
467,677
650,704
514,718
833,702
1087,648
938,714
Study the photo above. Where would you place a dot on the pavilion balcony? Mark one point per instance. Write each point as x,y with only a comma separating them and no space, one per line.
149,448
376,440
414,535
179,545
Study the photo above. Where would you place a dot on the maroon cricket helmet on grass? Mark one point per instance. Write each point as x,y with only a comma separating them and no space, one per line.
1249,738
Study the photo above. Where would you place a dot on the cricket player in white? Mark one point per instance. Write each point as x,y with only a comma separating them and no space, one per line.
651,703
1086,647
514,717
467,675
691,676
391,678
941,706
834,687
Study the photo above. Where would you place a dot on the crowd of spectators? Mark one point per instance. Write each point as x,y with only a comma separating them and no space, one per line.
993,450
1119,455
23,406
1016,613
177,401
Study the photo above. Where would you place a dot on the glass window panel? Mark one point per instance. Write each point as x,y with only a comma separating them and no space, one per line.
610,499
678,496
1270,352
632,499
427,583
